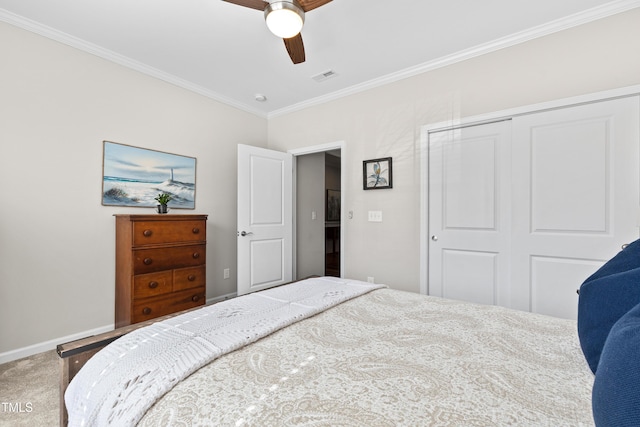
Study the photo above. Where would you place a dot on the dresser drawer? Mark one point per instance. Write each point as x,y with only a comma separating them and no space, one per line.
186,278
152,284
148,308
159,232
150,260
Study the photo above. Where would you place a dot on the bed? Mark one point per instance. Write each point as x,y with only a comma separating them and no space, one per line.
355,354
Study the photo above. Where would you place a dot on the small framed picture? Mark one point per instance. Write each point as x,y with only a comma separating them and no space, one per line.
377,174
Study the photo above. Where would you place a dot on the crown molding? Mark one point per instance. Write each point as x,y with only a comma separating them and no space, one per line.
69,40
571,21
568,22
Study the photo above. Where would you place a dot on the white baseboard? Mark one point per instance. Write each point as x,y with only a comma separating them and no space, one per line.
221,298
19,353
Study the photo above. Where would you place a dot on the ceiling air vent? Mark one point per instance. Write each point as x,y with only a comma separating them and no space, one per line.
324,76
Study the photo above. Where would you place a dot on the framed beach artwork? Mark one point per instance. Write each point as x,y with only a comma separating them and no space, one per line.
377,174
133,176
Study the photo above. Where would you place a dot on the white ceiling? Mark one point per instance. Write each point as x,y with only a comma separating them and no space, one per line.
225,51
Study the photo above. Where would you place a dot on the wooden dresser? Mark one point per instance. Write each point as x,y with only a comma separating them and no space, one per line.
160,265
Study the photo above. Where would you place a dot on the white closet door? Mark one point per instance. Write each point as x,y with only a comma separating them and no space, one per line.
469,219
575,199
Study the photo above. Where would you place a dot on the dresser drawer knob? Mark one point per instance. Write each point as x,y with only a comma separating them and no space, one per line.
147,261
153,284
147,233
191,277
146,311
195,298
195,230
196,255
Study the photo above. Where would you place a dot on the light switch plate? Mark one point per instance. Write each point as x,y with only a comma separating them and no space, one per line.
375,216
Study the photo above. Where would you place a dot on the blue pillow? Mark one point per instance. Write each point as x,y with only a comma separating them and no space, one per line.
602,303
616,389
627,259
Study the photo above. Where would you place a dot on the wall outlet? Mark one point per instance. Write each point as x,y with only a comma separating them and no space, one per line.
225,273
313,215
370,279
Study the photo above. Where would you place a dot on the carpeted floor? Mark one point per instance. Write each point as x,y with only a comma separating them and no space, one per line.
29,394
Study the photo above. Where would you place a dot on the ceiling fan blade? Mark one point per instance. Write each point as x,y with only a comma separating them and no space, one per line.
308,5
295,47
253,4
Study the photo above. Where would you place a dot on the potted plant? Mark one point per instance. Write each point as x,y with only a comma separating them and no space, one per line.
163,199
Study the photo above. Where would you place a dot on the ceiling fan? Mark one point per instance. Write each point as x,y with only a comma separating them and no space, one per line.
285,20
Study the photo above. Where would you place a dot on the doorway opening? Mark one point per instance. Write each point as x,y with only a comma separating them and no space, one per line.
318,209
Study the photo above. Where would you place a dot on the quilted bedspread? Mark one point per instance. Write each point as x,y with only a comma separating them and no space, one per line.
391,358
117,385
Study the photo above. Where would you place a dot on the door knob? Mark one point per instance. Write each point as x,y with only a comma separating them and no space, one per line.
244,233
434,238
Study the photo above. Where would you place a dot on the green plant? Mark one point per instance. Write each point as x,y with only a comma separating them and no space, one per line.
164,198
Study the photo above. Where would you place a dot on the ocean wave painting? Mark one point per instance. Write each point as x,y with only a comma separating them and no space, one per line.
134,176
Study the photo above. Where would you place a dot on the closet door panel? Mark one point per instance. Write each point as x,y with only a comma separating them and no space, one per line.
470,276
575,199
469,197
570,172
551,293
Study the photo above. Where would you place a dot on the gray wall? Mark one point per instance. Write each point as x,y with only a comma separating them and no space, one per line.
387,121
57,105
310,182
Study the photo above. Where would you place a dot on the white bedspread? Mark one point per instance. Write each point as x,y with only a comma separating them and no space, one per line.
119,384
389,359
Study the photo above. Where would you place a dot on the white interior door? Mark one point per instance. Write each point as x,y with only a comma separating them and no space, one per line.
575,199
265,230
469,219
520,217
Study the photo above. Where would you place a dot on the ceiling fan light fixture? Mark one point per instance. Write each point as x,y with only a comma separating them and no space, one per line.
284,18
